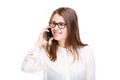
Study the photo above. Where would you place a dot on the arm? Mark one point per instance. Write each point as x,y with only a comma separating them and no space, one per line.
31,62
34,60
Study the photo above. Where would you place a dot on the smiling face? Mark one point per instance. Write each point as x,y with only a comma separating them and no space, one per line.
59,34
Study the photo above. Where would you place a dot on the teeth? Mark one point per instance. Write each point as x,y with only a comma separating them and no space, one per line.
56,33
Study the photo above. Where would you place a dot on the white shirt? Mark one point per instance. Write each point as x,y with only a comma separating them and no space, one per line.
64,68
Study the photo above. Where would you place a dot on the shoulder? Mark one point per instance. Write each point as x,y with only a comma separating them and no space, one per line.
86,48
86,51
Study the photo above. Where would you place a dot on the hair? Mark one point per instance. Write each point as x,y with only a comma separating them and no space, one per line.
73,41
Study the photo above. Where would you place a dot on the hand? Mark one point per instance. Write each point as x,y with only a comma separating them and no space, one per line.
41,40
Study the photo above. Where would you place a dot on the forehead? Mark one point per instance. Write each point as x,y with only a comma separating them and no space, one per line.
58,18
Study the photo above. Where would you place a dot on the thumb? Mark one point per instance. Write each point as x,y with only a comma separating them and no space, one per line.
50,41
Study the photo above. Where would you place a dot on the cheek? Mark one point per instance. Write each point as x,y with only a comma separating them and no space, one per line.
65,34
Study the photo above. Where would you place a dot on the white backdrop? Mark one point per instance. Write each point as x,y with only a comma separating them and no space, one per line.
22,20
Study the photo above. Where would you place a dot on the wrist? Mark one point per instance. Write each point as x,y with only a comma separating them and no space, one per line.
38,44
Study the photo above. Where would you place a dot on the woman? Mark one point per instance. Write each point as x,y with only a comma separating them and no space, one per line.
63,56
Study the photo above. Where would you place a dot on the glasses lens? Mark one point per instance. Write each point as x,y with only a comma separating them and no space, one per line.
52,24
60,25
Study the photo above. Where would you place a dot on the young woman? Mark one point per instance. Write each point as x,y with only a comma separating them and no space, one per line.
63,56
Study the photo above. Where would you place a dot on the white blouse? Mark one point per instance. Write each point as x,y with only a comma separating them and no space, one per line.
64,68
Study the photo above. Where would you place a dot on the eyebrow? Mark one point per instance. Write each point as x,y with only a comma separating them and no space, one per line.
57,22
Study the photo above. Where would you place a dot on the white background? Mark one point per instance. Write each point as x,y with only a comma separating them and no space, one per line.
22,20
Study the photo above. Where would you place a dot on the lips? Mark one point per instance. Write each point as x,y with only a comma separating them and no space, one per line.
56,34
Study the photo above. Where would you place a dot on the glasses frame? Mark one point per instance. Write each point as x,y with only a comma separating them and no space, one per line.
58,24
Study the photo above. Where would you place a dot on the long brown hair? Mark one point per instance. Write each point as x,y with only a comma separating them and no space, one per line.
73,41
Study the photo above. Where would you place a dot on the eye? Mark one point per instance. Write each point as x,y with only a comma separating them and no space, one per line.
62,24
53,23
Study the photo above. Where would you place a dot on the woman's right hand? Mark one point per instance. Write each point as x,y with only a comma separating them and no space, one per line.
42,40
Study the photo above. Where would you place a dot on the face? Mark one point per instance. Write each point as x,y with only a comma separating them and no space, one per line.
59,34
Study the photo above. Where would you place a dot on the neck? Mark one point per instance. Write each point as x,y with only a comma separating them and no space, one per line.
61,43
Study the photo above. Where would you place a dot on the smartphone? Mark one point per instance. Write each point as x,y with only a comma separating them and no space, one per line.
48,34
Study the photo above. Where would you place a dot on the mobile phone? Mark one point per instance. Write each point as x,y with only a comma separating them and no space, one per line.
48,34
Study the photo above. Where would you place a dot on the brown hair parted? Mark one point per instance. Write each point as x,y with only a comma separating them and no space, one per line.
73,41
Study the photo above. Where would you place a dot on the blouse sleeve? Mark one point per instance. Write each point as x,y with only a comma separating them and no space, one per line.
32,62
90,63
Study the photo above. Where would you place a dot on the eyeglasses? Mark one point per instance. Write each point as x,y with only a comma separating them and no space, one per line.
53,24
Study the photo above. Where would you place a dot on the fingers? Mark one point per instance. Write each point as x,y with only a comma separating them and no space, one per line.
42,34
42,38
45,30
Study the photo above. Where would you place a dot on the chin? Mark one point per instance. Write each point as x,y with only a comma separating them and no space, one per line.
56,38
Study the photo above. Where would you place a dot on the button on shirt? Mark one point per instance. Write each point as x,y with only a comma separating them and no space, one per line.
64,68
